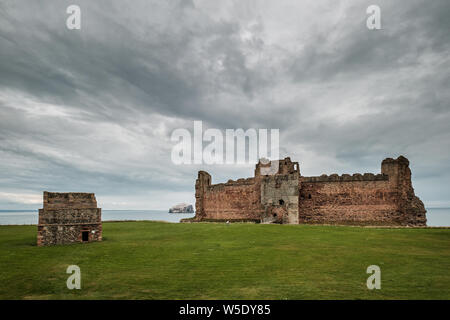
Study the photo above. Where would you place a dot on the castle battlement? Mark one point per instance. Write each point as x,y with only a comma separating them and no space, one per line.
347,177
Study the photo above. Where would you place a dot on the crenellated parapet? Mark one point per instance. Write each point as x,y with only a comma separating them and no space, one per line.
346,177
239,182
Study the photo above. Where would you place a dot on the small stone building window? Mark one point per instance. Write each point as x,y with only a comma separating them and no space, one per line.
281,202
309,196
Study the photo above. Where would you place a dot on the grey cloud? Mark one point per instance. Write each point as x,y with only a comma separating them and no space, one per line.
93,109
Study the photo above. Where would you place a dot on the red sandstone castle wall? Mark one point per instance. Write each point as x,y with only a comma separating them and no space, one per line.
348,202
234,200
384,199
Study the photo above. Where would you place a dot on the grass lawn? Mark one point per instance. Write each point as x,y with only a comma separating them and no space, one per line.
156,260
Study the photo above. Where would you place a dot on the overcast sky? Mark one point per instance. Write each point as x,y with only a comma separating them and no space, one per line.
92,110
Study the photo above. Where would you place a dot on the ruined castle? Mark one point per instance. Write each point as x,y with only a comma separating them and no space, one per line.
285,196
69,218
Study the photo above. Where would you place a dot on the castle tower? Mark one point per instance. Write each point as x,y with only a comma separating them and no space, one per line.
411,208
279,190
397,170
285,166
201,185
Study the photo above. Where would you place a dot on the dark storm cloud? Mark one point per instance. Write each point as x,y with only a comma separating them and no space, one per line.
93,109
113,66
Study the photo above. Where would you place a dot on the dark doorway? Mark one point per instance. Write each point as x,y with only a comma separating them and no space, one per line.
85,236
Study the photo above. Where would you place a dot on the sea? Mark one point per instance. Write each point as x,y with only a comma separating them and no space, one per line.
436,217
8,217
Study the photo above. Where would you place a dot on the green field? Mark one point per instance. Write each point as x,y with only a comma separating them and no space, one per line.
155,260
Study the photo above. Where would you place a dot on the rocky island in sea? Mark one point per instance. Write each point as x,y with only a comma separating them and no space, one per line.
182,208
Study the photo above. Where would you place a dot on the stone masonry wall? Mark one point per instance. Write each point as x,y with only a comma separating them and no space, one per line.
382,199
231,201
65,234
57,200
65,217
279,196
284,196
266,198
279,191
349,202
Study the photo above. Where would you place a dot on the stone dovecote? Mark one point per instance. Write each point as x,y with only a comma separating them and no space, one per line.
69,218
